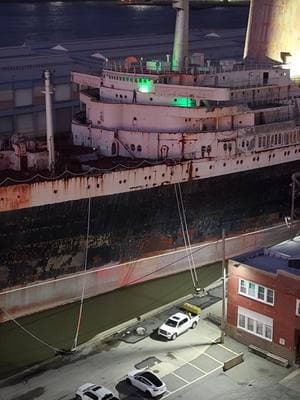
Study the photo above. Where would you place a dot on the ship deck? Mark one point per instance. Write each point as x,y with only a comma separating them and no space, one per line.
76,161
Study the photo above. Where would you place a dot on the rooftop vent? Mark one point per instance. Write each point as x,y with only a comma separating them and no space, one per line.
294,263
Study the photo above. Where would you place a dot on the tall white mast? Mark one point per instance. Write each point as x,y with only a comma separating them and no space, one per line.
49,120
181,37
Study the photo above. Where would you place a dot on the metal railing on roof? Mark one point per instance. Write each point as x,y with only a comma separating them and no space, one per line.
164,68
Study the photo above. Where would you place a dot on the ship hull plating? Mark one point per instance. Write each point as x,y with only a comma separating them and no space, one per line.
46,243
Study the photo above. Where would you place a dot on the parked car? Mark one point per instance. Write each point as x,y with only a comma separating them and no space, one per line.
90,391
147,382
177,324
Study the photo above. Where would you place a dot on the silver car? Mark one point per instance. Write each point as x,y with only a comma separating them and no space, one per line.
147,382
90,391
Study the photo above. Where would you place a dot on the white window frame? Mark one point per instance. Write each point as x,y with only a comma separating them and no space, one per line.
266,322
298,307
255,296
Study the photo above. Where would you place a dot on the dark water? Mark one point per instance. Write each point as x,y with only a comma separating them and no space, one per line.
57,327
59,21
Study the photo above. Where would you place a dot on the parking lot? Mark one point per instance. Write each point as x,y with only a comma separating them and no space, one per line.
191,366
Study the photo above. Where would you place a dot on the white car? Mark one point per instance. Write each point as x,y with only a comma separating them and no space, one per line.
147,382
90,391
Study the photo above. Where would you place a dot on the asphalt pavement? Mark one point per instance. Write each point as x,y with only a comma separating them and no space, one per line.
191,366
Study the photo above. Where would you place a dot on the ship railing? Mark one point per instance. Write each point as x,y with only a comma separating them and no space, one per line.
164,68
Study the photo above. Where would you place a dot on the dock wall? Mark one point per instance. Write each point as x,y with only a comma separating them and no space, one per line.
20,301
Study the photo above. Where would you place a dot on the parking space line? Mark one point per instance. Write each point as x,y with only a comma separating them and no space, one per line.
194,381
213,358
180,377
221,345
194,366
226,348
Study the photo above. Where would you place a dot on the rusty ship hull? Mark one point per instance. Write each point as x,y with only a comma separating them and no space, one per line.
46,243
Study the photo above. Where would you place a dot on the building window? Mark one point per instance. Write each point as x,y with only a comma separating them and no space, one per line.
242,321
254,323
298,307
259,328
261,293
251,289
255,291
270,296
243,288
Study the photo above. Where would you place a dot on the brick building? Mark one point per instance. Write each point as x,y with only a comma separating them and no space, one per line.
263,306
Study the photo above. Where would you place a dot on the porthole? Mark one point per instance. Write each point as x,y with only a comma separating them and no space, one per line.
145,177
151,99
210,167
163,175
196,169
98,185
224,164
124,181
54,191
139,147
88,186
149,177
132,147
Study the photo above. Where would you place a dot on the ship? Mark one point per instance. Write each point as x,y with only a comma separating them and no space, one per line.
164,155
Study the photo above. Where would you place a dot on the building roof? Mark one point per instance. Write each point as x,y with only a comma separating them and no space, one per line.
275,258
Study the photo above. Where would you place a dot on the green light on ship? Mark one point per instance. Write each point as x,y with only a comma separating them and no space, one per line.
184,102
145,86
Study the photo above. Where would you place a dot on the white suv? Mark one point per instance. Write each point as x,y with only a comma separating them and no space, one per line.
90,391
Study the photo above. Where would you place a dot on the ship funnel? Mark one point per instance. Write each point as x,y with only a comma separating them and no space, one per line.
181,37
49,120
273,32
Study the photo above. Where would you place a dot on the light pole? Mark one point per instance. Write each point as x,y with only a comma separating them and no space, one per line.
223,321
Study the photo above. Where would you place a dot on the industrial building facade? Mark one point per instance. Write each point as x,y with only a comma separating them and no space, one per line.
22,101
263,307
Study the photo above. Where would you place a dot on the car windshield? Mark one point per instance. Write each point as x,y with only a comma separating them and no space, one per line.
108,396
152,378
171,322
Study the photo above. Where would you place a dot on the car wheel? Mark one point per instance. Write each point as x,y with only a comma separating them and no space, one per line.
78,397
194,325
148,394
174,336
128,381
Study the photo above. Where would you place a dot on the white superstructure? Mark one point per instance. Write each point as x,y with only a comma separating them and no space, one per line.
245,117
225,117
